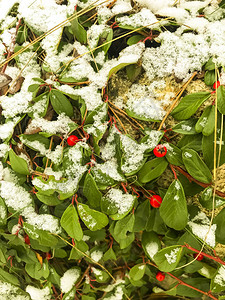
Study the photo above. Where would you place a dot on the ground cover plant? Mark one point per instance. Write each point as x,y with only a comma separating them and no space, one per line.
112,149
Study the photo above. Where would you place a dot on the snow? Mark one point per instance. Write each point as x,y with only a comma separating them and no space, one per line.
172,257
7,129
9,291
220,276
152,248
123,202
68,280
96,255
23,203
4,148
187,154
61,125
38,294
200,227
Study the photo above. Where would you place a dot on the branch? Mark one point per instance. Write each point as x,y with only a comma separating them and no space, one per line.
190,178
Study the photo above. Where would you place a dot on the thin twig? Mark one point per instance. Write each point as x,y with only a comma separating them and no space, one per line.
177,97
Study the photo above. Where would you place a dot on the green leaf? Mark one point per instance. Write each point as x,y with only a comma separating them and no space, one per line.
173,209
44,237
78,31
210,65
91,191
218,281
195,166
185,127
137,272
93,219
133,71
150,243
189,105
174,155
207,271
119,67
75,253
70,223
152,169
206,123
44,101
101,276
210,77
219,220
123,231
7,277
60,103
134,39
3,213
168,258
18,164
221,99
191,142
51,200
206,199
198,282
108,39
142,214
37,271
34,141
208,146
109,255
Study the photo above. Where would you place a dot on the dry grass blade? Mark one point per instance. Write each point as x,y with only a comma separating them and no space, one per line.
177,97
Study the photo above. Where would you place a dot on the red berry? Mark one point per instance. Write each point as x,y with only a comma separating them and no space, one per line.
200,257
27,240
72,140
156,201
48,256
160,276
160,150
216,85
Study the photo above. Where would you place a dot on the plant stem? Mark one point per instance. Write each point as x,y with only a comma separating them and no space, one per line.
217,259
181,282
190,178
192,287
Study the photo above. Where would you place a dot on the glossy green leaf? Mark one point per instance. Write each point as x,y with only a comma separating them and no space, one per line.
173,209
210,77
3,214
51,200
152,169
174,155
109,255
60,103
221,99
37,271
168,258
78,31
195,166
191,142
137,272
189,105
206,199
70,223
91,191
7,277
18,164
218,281
44,237
142,214
150,243
93,219
134,39
219,220
185,127
35,141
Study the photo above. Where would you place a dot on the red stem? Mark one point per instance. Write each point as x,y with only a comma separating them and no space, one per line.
190,178
175,175
192,287
217,259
